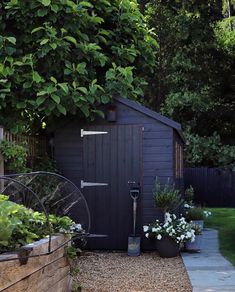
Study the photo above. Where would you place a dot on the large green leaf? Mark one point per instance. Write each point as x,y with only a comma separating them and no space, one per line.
45,2
12,40
56,98
71,39
40,100
36,77
61,109
64,87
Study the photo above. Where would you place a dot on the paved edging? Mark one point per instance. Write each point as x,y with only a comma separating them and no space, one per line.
208,270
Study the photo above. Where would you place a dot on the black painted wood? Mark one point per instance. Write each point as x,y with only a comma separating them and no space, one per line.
213,187
114,158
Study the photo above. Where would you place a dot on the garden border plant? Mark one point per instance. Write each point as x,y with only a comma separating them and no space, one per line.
20,226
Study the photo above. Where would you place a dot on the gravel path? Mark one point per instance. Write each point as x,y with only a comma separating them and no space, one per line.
115,271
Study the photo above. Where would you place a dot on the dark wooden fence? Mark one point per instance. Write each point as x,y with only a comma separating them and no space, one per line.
214,187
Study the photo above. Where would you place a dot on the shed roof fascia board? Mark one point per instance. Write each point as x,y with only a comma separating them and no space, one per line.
135,105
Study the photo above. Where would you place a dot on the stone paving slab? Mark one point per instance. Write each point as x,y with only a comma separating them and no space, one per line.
208,270
214,289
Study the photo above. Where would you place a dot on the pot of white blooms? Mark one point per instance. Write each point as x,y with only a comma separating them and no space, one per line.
195,246
170,234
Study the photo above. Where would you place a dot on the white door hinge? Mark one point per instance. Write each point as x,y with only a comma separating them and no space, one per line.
91,184
86,133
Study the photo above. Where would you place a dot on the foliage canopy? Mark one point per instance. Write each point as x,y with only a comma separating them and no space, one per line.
194,80
68,56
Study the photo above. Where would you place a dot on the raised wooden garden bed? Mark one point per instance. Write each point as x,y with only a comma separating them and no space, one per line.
43,273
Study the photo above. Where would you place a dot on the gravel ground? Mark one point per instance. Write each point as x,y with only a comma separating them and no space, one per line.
115,271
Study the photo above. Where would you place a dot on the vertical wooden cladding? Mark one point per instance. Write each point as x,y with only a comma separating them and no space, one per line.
69,152
113,158
213,187
178,160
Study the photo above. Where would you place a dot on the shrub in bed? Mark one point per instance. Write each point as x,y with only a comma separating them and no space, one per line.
20,225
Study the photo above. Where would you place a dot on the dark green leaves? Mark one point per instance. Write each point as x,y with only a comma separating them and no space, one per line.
45,2
40,100
61,109
60,60
56,98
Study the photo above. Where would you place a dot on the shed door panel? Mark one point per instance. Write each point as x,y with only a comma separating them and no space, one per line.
113,158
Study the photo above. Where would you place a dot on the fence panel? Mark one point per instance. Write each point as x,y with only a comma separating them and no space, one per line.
35,145
214,187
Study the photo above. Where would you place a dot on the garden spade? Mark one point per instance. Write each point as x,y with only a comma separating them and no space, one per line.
134,240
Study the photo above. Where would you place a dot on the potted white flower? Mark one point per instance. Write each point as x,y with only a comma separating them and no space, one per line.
170,234
197,215
195,246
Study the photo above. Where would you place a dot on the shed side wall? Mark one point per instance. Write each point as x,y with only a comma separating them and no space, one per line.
179,182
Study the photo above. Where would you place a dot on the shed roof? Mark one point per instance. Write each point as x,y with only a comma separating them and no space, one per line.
138,107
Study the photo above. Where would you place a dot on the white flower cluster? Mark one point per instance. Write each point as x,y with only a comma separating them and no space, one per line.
177,229
74,228
206,213
187,206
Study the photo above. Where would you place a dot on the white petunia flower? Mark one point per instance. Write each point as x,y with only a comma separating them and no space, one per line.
146,228
188,234
159,237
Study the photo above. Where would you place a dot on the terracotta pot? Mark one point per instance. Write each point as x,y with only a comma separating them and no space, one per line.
167,247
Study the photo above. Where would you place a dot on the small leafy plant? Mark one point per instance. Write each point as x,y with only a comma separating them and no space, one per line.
196,213
189,195
166,198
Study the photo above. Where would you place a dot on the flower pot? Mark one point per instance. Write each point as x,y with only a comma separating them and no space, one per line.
195,245
199,222
167,247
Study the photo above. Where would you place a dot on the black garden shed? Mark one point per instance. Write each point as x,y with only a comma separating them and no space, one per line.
104,158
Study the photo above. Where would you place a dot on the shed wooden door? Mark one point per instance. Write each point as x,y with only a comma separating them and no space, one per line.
113,158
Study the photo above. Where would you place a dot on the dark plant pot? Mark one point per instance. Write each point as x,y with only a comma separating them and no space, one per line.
195,245
167,247
199,222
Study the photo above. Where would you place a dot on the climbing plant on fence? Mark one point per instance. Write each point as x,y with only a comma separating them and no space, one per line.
67,56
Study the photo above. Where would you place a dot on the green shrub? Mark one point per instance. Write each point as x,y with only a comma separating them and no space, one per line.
166,198
189,195
15,156
195,213
20,225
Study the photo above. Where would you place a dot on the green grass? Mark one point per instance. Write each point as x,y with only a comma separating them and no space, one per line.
223,219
